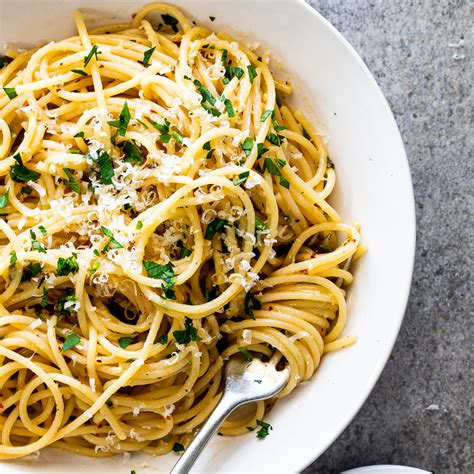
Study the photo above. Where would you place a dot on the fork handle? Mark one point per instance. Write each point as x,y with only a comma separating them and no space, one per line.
227,404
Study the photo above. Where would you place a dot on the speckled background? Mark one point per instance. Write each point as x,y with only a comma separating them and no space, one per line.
408,46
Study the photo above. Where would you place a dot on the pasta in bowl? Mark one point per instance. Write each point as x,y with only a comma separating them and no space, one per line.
164,209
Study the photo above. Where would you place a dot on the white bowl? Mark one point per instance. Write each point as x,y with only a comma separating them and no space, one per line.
374,188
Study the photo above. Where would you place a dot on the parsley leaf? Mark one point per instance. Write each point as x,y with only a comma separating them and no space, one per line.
93,52
20,173
71,341
13,257
183,251
67,265
206,95
170,21
264,431
246,353
188,334
71,181
252,73
231,72
79,135
44,298
61,302
147,55
11,92
251,303
272,168
207,146
4,199
124,342
178,137
123,121
215,226
163,339
261,150
242,178
228,106
79,71
259,224
42,230
139,225
37,246
133,154
112,243
275,139
165,273
266,115
30,271
178,447
106,168
247,146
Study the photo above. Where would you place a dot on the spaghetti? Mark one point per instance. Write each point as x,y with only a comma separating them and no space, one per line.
162,210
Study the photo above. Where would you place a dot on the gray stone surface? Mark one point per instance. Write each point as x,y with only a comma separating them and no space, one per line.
405,43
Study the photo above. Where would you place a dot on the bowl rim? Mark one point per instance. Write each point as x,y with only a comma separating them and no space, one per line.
404,293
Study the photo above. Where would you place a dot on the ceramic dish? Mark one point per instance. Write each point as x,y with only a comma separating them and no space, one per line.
336,89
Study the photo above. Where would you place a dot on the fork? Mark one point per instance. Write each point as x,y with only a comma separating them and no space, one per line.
245,381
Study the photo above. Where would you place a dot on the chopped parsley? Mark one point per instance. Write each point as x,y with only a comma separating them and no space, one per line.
277,126
251,303
165,273
37,246
13,257
44,298
147,55
112,243
178,448
264,430
266,115
215,226
246,353
183,251
228,107
71,341
231,72
30,271
20,173
79,135
139,225
261,150
163,339
93,52
71,181
252,73
242,178
207,146
206,95
188,334
106,168
124,342
170,21
4,199
124,119
247,146
110,403
259,224
164,128
60,304
275,139
80,72
42,230
273,169
11,92
178,137
67,265
94,267
133,154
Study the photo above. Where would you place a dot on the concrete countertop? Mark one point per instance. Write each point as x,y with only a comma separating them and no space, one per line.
419,413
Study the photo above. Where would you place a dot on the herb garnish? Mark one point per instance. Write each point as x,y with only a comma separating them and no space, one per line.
124,342
247,146
242,178
71,181
20,173
37,246
246,353
11,92
266,115
93,52
163,339
259,224
273,169
170,21
106,168
133,154
178,447
252,73
215,226
147,55
13,257
44,298
112,243
188,334
183,251
228,106
4,199
251,303
165,273
264,431
80,72
30,271
123,121
71,341
67,265
60,304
